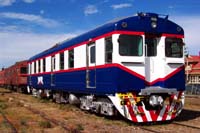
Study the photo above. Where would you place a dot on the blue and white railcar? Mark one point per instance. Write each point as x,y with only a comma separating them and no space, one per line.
134,66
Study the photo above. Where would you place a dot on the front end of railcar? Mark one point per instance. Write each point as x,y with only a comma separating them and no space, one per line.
152,54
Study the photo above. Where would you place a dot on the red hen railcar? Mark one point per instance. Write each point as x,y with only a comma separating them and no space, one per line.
2,78
16,76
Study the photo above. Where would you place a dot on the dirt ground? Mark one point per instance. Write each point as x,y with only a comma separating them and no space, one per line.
27,114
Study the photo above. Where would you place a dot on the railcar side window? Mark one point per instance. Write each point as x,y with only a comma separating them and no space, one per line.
108,50
130,45
53,63
62,61
92,54
44,65
23,70
34,67
30,68
174,47
71,58
39,66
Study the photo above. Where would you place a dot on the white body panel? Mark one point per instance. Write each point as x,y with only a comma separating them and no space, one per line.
100,51
80,56
48,64
57,57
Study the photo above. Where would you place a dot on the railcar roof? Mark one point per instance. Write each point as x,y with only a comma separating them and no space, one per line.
139,23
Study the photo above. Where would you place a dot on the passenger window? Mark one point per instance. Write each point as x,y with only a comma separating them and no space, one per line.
62,61
44,65
92,54
23,70
108,50
39,66
71,58
30,68
53,63
130,45
34,67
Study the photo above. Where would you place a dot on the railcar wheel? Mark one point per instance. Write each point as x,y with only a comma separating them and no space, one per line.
60,97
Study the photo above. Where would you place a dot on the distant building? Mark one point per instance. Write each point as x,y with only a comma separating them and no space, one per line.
192,70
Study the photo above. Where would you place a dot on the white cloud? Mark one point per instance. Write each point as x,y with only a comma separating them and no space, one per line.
16,46
28,1
90,9
7,2
30,18
123,5
10,2
190,24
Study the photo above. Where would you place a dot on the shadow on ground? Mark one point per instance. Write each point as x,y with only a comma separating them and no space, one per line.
187,114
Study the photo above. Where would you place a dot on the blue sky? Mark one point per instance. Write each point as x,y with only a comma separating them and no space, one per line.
28,27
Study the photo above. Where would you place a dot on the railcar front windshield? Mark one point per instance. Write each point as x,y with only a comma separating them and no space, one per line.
130,45
174,47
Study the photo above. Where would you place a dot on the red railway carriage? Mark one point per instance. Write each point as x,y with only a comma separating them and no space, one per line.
16,76
2,80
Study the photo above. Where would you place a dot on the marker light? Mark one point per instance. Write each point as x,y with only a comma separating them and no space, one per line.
124,24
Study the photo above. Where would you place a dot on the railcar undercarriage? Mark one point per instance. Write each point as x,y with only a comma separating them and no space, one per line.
99,105
147,106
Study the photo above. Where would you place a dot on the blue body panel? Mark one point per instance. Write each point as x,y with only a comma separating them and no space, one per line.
176,81
108,81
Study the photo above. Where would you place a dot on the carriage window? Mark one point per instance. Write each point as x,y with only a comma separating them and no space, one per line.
151,46
62,61
38,66
130,45
71,58
53,63
92,54
174,47
44,65
30,68
34,67
23,70
108,50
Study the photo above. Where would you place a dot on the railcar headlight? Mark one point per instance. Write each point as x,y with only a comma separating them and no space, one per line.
155,100
153,24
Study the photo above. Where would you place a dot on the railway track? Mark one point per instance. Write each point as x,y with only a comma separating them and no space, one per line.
193,96
45,116
8,122
157,130
54,121
185,125
149,130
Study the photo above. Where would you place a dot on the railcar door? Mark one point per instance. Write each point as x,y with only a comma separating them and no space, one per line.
152,58
91,65
53,66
